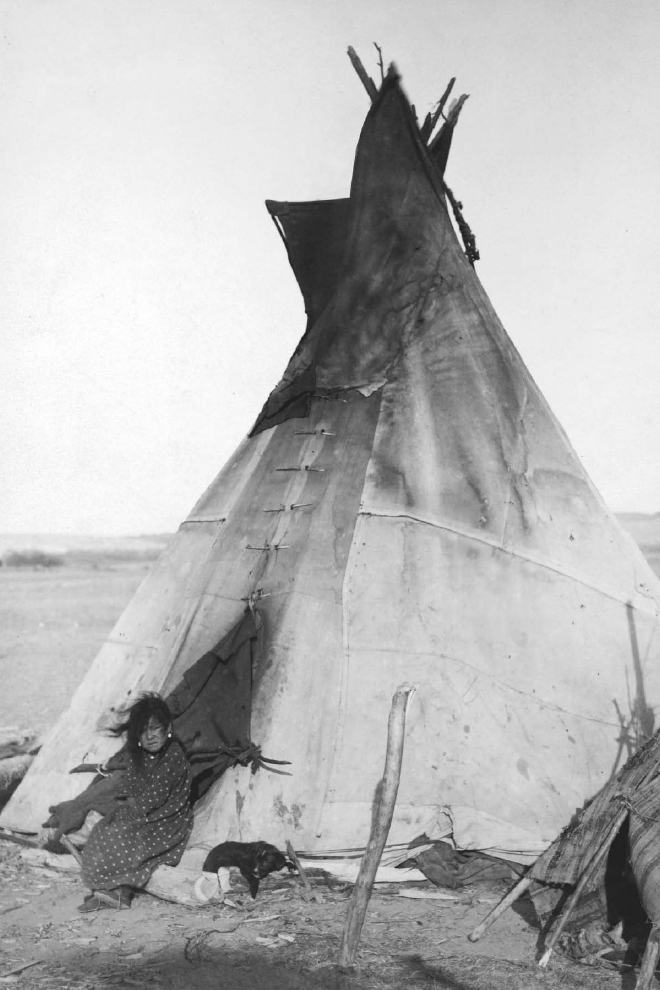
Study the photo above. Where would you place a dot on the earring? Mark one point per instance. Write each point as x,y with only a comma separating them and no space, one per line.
169,735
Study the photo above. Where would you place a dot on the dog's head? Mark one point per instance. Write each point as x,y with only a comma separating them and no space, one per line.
269,859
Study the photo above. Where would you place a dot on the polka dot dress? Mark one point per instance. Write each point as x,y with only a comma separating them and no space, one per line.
148,830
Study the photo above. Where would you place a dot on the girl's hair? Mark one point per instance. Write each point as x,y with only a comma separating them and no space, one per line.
135,718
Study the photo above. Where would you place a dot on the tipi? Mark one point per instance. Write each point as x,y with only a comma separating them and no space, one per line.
406,508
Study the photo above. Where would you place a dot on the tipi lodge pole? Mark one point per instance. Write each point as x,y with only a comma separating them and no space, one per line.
588,874
382,819
649,961
366,79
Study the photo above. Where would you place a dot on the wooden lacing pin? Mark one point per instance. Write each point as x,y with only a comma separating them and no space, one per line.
204,519
269,546
303,467
313,433
287,508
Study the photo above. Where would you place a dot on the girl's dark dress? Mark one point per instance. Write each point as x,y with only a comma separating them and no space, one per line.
149,830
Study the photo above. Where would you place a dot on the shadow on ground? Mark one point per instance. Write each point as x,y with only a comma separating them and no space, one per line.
254,970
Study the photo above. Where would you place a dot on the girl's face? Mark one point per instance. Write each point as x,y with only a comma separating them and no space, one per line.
154,736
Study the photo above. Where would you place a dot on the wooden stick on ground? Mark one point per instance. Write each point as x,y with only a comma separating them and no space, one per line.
20,968
512,896
357,905
68,844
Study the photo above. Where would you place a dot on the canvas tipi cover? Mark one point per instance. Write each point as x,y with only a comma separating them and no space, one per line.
407,508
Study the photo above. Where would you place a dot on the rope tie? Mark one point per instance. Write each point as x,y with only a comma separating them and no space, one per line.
250,756
469,240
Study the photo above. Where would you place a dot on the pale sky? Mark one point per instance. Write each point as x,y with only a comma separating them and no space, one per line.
148,308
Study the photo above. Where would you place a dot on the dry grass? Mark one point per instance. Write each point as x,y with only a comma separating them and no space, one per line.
52,624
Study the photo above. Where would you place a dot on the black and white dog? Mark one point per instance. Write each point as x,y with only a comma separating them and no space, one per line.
255,860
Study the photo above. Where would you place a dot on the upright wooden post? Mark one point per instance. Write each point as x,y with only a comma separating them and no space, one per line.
382,819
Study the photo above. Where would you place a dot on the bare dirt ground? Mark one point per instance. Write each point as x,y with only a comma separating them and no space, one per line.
52,622
278,941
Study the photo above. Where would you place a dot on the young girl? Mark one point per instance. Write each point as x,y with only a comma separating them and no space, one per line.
151,826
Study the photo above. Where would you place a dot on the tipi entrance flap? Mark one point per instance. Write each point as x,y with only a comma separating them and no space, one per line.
211,705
